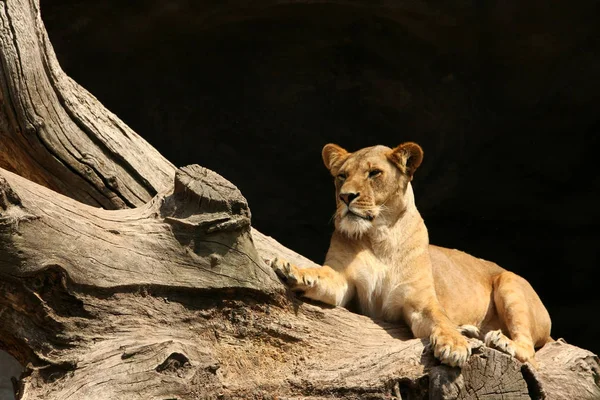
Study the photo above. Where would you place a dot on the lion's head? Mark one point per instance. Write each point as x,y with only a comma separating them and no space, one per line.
371,184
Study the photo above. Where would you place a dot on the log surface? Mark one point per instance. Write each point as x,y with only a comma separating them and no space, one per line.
172,299
56,133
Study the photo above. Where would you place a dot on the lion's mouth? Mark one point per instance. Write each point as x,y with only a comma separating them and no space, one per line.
353,214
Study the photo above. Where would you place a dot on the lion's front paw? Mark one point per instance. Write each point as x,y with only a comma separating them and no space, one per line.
294,277
284,271
450,347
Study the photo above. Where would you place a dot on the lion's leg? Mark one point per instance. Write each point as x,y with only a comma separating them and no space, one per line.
427,319
522,313
449,346
322,284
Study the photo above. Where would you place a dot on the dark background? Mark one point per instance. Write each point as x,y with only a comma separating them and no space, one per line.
503,96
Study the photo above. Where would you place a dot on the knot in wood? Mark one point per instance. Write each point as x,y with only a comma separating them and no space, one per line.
8,197
174,362
203,190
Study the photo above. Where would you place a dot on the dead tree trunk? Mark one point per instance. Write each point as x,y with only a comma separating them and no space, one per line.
172,299
57,134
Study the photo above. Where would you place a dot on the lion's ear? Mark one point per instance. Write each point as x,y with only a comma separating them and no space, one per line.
333,155
408,156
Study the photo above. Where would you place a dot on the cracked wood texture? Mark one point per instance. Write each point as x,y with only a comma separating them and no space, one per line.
172,299
57,134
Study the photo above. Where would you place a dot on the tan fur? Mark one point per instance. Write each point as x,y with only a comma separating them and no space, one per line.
380,255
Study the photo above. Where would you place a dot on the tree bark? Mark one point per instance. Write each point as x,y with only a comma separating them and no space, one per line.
172,299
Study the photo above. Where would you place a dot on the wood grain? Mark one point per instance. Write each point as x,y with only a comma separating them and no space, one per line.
173,299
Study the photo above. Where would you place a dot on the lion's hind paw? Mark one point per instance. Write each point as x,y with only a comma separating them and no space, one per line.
522,351
497,340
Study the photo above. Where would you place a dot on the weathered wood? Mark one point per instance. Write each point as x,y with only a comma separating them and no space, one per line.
572,374
180,237
172,299
56,133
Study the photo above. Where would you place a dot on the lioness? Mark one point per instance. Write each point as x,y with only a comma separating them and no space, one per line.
380,255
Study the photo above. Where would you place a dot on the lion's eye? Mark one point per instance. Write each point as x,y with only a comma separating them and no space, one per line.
341,177
374,173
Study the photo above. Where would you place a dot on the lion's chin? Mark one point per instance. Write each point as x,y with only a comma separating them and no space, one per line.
354,225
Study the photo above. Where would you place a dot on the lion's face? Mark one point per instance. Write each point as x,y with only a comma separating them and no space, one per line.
370,184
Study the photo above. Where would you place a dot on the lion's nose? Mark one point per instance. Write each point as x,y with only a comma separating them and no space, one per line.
348,197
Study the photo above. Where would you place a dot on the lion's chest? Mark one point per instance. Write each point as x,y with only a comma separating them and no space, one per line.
374,284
